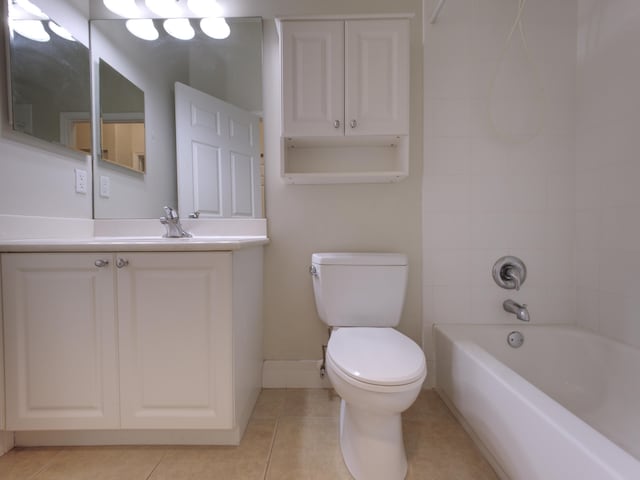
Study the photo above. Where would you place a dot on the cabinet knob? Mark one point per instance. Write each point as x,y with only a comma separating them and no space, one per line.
122,262
353,123
101,263
336,124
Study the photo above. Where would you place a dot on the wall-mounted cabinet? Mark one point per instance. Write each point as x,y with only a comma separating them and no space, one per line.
143,340
345,100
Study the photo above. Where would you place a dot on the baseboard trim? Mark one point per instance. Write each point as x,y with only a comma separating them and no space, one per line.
293,374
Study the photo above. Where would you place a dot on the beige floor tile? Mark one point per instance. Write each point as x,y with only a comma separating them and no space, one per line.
22,463
307,448
311,402
102,463
442,450
248,461
428,405
270,404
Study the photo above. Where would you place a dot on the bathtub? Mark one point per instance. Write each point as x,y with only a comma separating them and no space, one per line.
565,405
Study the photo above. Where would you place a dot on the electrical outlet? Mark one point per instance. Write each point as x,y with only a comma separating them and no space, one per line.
81,180
105,186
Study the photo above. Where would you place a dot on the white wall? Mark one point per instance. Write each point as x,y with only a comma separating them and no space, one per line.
502,187
303,219
607,168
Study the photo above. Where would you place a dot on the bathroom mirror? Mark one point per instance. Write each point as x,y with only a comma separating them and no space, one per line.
228,69
122,138
48,72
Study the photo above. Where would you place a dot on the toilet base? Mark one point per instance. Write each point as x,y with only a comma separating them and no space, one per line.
372,445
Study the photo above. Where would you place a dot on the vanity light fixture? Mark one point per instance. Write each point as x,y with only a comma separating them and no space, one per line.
30,8
165,8
179,28
143,28
123,8
204,8
215,27
31,29
60,31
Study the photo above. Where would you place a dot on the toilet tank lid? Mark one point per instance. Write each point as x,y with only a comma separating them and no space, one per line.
347,258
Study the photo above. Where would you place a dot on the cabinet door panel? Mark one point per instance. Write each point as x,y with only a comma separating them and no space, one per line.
313,78
175,340
377,77
61,366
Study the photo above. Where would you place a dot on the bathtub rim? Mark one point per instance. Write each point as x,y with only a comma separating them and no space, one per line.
596,443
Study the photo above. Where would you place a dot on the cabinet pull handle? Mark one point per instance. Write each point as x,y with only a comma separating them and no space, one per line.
336,124
353,123
101,263
122,262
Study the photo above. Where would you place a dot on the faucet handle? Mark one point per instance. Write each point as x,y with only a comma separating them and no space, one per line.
170,213
509,272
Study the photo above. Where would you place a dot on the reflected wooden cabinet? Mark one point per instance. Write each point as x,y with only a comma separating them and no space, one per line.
138,340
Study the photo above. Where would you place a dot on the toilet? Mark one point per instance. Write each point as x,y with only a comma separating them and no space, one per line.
377,371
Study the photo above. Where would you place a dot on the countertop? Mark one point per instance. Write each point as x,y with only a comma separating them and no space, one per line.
133,244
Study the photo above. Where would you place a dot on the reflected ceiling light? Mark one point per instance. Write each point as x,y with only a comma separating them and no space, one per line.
179,28
164,8
205,8
124,8
29,7
142,28
215,28
31,29
60,31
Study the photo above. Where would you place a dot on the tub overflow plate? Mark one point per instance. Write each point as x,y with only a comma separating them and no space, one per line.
515,339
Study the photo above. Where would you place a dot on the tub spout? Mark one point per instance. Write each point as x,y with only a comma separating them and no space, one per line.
520,311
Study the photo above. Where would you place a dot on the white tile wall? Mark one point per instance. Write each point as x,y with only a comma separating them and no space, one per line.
608,169
489,193
566,201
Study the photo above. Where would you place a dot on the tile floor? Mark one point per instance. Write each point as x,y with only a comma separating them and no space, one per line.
292,435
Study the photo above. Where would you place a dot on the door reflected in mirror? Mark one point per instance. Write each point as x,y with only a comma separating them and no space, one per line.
50,95
122,133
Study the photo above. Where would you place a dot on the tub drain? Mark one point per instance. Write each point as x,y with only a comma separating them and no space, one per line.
515,339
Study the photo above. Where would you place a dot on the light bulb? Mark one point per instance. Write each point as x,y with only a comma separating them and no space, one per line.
164,8
60,31
30,8
142,28
179,28
31,29
205,8
124,8
215,28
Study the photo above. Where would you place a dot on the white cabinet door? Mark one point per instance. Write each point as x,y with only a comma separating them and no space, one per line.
313,78
377,77
345,77
175,336
60,349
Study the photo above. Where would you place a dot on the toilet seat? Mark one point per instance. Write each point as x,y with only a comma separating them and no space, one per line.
376,356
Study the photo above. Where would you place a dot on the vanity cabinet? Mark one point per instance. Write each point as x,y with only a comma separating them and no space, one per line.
175,340
60,342
132,340
345,99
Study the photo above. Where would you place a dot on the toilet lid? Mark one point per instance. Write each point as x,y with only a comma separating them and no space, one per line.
379,356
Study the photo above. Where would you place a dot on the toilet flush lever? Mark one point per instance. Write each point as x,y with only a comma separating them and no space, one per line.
313,271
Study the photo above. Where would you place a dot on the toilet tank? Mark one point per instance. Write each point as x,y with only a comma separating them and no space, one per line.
359,289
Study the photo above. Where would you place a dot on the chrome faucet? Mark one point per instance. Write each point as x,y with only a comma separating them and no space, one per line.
520,311
171,220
